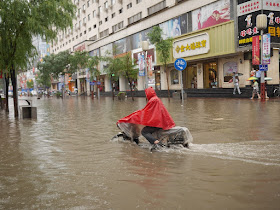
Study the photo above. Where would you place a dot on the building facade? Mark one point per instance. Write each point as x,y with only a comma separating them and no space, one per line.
209,34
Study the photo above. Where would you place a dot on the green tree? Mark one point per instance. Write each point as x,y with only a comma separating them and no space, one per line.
20,20
113,67
163,48
30,84
93,63
129,71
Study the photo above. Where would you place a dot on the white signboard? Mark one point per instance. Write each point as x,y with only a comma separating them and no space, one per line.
272,5
248,7
190,46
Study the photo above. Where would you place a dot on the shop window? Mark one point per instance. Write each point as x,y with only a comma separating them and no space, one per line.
174,77
210,76
229,68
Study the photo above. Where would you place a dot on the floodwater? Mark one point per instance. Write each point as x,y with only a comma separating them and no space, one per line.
66,159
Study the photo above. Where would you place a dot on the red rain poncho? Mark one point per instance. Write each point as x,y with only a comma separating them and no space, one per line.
154,113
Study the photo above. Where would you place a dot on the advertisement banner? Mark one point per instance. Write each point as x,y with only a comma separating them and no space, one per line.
266,49
256,50
211,14
141,63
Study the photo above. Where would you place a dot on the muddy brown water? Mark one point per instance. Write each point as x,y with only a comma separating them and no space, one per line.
66,160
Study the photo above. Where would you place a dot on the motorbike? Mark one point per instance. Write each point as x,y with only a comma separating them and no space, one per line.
176,136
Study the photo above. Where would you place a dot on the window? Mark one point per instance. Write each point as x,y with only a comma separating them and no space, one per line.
93,13
80,24
85,32
106,5
88,3
135,18
81,34
104,33
99,9
117,26
157,7
84,20
106,19
88,17
89,29
138,1
79,12
113,2
129,5
100,22
113,15
93,38
174,77
120,11
94,26
84,8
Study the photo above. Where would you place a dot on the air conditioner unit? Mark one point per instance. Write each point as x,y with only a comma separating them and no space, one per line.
120,1
111,6
106,9
84,24
84,11
98,14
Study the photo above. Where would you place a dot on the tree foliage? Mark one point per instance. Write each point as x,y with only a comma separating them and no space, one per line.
163,48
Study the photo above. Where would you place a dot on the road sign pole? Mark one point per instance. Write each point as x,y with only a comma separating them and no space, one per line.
182,90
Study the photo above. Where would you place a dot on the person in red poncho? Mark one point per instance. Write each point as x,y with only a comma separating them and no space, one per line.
153,116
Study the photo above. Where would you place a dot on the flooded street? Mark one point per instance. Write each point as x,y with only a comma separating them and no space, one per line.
66,160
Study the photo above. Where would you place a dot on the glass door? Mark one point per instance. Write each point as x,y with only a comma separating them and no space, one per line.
210,75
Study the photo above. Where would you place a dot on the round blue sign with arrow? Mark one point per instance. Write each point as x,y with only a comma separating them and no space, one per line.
180,64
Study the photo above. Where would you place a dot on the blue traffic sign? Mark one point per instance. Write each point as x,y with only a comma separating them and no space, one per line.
180,64
263,67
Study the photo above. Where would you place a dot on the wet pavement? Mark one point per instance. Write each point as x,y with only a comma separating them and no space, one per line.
66,160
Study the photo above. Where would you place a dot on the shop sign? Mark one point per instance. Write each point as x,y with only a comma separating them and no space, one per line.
247,20
248,7
80,48
273,5
191,46
266,49
256,50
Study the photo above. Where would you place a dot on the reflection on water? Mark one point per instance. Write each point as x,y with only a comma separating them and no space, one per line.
65,159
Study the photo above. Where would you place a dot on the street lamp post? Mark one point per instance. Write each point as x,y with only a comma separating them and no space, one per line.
145,48
261,25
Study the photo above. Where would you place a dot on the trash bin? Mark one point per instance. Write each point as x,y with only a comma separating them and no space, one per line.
27,110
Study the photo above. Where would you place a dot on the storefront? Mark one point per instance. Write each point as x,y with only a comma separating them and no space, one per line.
206,51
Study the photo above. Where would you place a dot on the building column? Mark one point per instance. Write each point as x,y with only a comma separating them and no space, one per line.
88,87
78,83
122,83
140,82
273,68
107,84
163,80
199,76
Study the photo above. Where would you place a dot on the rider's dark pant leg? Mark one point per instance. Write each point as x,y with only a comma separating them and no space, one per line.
147,133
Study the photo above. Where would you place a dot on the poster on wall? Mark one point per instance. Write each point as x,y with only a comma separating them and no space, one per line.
184,23
121,46
256,50
139,37
171,28
229,69
210,15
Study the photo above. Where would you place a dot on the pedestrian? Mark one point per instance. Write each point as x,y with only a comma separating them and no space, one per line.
255,89
236,85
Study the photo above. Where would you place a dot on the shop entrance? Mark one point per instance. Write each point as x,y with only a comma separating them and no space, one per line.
190,75
210,75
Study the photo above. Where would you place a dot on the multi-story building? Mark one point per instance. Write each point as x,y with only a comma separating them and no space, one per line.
214,36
